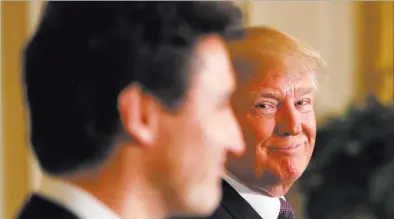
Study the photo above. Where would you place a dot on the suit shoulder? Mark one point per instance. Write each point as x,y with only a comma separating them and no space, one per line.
36,206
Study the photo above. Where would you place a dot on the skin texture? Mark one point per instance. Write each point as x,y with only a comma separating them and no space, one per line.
184,153
201,134
274,105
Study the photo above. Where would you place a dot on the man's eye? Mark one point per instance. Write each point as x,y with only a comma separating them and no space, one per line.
303,102
264,106
265,109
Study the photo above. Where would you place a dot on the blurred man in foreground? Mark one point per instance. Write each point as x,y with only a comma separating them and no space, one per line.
127,118
274,104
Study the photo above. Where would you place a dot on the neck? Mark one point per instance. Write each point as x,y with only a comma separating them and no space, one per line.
262,185
123,189
270,191
143,206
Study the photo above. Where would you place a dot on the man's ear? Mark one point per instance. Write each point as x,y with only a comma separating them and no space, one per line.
139,114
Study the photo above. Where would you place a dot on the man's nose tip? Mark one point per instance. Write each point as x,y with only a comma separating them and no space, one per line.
287,131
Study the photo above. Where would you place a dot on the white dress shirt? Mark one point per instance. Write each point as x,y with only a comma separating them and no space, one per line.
75,200
266,207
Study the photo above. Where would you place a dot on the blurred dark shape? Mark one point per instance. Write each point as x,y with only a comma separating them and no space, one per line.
352,169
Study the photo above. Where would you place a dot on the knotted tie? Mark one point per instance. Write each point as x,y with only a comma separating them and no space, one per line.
286,212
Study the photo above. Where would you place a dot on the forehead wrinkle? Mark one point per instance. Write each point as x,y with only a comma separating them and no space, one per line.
279,94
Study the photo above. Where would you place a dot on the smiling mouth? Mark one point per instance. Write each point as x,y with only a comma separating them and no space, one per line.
288,148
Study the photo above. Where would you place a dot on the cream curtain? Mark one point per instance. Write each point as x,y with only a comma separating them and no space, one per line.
14,160
19,170
376,43
384,60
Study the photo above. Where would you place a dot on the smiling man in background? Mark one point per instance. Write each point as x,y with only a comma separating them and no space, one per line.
274,104
127,118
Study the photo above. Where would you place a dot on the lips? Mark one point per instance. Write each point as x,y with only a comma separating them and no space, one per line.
291,148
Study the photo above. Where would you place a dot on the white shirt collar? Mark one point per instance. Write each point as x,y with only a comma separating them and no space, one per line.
266,207
76,200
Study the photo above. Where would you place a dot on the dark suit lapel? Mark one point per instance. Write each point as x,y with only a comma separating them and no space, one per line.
38,207
238,207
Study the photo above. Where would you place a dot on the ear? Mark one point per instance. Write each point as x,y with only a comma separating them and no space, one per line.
139,115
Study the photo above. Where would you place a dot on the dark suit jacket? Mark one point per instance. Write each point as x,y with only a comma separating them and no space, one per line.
232,206
37,207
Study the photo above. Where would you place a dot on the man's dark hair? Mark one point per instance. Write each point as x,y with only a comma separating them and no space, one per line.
84,54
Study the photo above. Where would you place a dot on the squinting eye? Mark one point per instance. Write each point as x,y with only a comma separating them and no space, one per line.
303,102
264,106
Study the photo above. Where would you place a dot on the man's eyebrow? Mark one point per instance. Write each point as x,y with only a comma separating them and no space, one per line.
274,94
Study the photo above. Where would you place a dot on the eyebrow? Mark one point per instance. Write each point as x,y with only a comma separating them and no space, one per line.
275,94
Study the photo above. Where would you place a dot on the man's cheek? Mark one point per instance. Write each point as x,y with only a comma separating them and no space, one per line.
259,131
214,131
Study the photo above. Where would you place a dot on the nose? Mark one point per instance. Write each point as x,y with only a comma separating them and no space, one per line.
288,122
235,141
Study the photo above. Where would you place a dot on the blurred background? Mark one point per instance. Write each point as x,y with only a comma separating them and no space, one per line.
354,157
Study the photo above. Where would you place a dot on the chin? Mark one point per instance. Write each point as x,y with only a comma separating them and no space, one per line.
291,177
277,184
203,203
291,170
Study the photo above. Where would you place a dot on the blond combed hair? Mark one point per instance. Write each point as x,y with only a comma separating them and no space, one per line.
268,49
